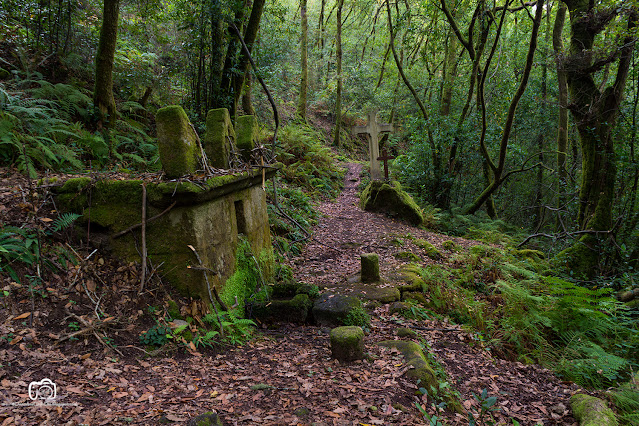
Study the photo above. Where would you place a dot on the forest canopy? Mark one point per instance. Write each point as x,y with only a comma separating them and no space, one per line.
523,110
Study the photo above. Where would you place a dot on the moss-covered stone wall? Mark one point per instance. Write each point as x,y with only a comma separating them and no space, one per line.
209,217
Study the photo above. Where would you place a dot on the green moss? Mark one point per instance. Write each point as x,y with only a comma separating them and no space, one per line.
580,259
247,132
450,245
291,310
219,137
244,280
347,343
177,142
591,411
173,309
431,250
422,372
408,256
388,197
357,316
370,267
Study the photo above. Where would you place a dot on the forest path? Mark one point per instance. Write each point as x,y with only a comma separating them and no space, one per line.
345,231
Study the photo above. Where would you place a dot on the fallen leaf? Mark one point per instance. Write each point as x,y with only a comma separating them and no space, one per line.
22,316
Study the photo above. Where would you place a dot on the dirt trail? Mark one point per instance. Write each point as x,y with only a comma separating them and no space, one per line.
345,231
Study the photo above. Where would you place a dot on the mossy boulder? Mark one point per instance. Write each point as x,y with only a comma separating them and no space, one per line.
398,308
219,139
178,145
422,372
591,411
247,135
347,343
291,288
293,310
207,419
333,310
389,198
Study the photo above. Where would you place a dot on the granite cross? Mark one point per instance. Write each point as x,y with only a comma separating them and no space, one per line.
372,130
385,157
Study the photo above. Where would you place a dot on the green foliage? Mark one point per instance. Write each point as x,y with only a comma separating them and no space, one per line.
358,316
309,163
626,399
157,335
22,247
236,331
483,415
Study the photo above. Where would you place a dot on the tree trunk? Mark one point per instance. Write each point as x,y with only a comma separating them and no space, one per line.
250,35
247,102
301,104
338,95
595,112
562,127
498,169
103,93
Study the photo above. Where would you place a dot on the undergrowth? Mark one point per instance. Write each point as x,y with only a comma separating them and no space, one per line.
523,312
47,127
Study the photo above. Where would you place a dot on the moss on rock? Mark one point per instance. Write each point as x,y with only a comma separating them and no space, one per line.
247,135
431,250
293,310
332,310
388,197
408,256
177,142
450,245
422,372
347,343
591,411
370,267
219,138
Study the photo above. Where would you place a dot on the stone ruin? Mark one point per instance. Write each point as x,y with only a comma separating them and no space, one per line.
217,215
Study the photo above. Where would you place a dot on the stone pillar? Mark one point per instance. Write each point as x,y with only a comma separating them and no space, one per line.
219,139
177,142
247,135
347,343
370,267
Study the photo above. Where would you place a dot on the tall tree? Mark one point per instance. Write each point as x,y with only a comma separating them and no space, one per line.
301,103
338,57
103,92
595,109
562,98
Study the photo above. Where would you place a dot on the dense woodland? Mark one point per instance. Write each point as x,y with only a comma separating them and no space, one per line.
515,125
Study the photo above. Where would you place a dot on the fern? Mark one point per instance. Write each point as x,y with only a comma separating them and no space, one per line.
64,221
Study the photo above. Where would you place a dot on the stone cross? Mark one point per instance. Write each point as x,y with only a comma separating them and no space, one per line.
372,130
385,157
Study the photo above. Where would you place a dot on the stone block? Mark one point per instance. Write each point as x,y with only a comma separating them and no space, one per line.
347,343
332,310
247,136
370,267
177,142
219,139
291,310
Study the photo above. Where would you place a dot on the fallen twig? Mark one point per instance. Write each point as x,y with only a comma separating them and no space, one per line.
137,225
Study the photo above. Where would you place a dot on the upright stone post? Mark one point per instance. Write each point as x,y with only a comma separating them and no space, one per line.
247,135
177,142
219,139
370,268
